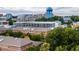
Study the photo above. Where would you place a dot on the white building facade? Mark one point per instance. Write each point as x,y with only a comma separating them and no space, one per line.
39,26
3,21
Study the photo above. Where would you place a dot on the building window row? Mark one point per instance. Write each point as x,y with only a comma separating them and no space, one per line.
35,25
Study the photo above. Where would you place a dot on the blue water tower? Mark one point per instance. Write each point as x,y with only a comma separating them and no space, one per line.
49,12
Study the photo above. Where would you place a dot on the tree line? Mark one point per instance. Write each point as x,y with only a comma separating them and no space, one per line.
58,18
59,39
13,34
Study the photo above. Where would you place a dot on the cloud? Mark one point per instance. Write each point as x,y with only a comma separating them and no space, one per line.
56,10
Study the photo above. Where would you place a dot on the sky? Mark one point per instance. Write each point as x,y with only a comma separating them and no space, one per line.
61,11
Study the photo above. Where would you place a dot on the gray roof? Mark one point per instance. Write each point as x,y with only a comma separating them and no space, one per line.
11,41
37,43
66,18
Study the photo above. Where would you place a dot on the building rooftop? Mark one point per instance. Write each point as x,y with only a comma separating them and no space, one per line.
11,41
66,18
39,22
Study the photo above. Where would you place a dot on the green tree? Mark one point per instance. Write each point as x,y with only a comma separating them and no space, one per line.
59,48
8,33
41,19
75,18
14,34
54,37
34,48
18,34
37,37
10,22
63,38
77,48
45,47
54,18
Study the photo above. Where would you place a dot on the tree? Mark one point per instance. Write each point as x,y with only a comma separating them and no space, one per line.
54,18
34,48
59,48
41,19
18,34
37,37
63,38
10,22
14,34
75,18
54,37
45,47
77,48
8,33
